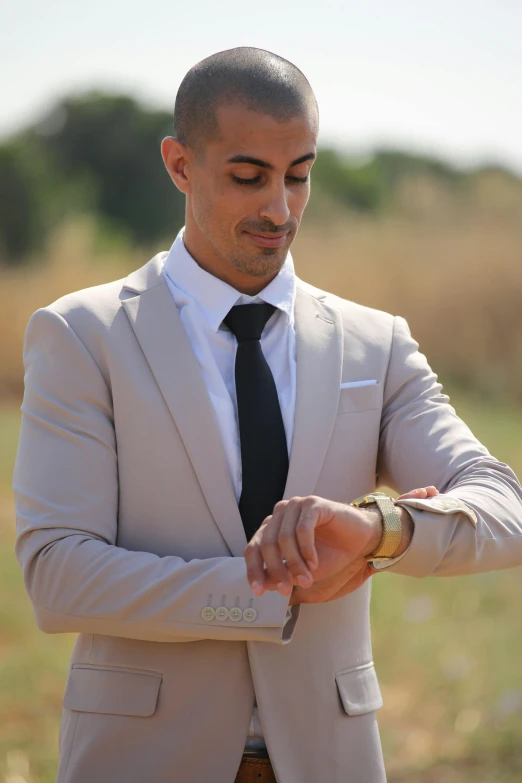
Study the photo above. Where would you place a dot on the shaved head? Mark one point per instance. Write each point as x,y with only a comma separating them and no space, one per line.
254,78
245,139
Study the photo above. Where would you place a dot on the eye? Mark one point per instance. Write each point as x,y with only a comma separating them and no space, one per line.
298,179
242,181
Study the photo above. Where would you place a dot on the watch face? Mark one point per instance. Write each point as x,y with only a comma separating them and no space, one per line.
360,501
365,500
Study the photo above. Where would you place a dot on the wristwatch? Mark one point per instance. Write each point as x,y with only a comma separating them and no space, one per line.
391,521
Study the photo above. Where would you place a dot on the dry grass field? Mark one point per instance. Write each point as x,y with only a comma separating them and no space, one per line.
447,651
450,264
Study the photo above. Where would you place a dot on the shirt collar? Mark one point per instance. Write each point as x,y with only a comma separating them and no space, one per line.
214,297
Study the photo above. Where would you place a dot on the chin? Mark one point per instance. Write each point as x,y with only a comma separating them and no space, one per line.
268,262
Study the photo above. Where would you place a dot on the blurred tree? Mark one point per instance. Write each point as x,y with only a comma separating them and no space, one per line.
100,154
371,183
351,183
94,153
115,142
21,219
395,164
33,197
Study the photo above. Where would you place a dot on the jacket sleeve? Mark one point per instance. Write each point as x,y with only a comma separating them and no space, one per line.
475,524
66,495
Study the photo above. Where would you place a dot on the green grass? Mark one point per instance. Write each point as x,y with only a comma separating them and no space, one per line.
9,427
447,652
32,665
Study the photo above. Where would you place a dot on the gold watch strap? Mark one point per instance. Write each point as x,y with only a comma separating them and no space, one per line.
392,529
391,524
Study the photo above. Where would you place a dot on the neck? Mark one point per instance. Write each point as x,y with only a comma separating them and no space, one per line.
206,257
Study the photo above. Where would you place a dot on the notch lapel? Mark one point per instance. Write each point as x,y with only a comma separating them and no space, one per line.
319,340
161,335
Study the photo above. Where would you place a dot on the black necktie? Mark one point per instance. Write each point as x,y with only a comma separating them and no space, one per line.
264,453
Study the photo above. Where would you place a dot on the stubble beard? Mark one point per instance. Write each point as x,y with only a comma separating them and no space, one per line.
268,262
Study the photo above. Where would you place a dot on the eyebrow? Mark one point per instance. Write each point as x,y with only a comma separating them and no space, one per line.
264,165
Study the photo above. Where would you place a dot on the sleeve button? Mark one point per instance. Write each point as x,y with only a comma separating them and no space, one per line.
249,615
222,613
208,613
235,614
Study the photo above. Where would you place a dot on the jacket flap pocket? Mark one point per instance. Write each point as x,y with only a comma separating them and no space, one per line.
112,690
359,689
360,398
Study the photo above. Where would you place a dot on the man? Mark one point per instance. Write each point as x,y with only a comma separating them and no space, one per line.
167,414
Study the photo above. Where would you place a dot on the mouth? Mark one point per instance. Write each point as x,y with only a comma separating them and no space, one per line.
268,240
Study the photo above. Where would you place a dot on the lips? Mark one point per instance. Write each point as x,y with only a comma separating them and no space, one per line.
268,240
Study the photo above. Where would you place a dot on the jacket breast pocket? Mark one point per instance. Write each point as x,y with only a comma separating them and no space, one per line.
359,689
112,690
360,398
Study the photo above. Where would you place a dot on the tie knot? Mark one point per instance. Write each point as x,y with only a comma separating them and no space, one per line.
246,322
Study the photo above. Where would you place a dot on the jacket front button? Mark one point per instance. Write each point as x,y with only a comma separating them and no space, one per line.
235,614
249,615
208,613
222,613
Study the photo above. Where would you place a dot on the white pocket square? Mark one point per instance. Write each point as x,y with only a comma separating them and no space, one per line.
357,384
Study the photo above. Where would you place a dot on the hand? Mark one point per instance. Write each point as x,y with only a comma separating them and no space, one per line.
324,545
336,587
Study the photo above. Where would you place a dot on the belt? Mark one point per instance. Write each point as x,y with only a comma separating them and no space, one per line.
256,753
255,767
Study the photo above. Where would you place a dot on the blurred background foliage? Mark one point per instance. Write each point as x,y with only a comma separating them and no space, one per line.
84,199
99,154
407,233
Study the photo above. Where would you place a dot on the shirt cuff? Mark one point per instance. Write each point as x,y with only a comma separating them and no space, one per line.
292,614
380,565
441,504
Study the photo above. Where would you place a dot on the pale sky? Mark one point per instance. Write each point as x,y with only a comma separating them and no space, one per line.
440,76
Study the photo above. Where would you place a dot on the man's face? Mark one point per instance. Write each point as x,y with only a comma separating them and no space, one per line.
249,188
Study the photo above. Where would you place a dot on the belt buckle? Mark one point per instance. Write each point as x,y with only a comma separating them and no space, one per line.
256,753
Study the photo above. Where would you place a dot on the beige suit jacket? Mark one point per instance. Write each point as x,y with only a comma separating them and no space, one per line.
128,528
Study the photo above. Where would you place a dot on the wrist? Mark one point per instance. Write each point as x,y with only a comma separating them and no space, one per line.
376,530
407,526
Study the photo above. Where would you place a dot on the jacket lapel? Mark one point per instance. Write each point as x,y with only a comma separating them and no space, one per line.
319,340
161,335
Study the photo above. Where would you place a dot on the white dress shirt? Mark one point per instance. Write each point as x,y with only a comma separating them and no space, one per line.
203,301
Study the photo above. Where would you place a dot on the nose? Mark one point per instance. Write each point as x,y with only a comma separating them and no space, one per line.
275,207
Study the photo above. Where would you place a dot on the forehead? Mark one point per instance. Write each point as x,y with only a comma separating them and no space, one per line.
257,135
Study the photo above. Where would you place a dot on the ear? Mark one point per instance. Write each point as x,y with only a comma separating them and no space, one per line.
177,158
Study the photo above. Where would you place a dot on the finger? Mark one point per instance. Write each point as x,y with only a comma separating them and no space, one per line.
420,493
271,554
289,547
255,563
255,566
305,532
269,585
413,493
257,577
